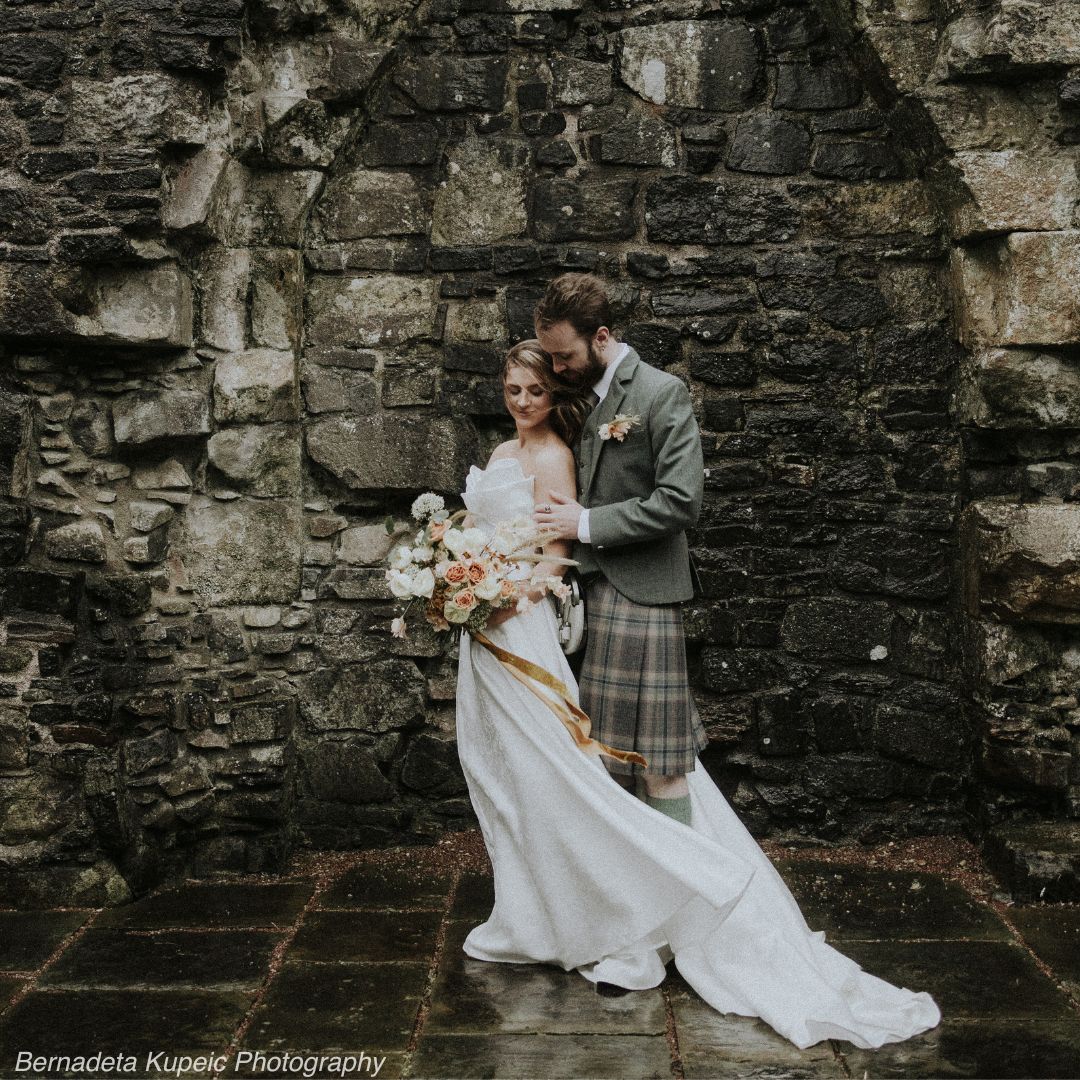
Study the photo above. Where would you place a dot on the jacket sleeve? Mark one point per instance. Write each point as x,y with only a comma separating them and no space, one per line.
675,502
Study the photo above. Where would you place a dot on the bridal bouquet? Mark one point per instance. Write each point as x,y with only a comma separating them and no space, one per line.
463,574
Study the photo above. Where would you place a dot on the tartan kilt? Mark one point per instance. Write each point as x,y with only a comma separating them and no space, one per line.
634,685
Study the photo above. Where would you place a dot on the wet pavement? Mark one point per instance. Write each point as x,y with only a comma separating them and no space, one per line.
360,954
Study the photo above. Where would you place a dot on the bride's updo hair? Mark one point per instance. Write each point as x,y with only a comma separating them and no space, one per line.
570,406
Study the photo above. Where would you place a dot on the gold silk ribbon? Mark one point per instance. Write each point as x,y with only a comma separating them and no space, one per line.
575,720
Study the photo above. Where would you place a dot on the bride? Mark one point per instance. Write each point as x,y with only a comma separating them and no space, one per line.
589,877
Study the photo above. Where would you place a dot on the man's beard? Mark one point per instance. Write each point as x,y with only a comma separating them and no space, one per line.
591,374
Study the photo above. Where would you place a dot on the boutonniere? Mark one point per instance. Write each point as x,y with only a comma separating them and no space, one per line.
617,427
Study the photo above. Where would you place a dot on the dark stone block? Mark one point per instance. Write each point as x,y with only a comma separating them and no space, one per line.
703,300
916,407
914,352
793,28
40,591
543,124
925,739
638,140
655,343
679,210
711,331
769,144
587,207
838,723
824,628
856,159
805,85
812,361
850,305
781,724
910,565
400,144
36,60
558,153
1053,932
29,938
450,83
724,369
703,159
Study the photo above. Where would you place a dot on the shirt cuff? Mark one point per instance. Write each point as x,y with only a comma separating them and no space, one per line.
583,527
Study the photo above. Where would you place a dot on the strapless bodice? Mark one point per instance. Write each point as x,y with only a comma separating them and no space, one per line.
501,492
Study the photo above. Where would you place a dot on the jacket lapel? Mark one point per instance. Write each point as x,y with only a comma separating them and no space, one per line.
604,412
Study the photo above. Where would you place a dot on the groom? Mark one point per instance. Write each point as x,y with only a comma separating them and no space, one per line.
639,493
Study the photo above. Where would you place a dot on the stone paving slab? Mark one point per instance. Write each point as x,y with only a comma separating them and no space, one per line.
1053,934
137,1022
9,987
853,902
206,959
527,1056
1002,1049
383,886
968,979
28,938
213,905
340,1006
366,935
478,996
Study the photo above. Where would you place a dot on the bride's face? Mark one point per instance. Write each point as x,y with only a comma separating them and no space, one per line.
526,399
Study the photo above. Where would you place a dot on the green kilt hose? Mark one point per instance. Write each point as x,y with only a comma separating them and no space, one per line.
634,684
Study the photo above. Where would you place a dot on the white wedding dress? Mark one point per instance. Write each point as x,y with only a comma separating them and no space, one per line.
589,877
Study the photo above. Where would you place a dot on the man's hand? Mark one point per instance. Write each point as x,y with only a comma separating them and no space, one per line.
559,515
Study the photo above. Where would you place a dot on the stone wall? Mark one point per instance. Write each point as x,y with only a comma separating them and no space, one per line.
261,262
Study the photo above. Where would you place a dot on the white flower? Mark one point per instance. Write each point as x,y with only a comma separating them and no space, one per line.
475,539
400,558
400,584
488,589
427,504
423,583
562,590
423,554
441,567
454,541
604,431
397,627
523,604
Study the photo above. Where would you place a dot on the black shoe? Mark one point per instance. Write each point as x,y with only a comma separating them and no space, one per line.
606,989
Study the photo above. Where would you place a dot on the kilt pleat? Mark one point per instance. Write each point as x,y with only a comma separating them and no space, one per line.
634,683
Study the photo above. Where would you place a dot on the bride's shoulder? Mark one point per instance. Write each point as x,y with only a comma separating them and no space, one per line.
501,451
554,453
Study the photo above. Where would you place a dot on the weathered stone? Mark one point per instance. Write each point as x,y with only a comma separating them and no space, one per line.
256,385
400,144
1014,190
804,85
14,738
769,144
385,695
1022,290
588,207
1022,561
924,738
364,311
680,210
639,140
246,551
270,207
225,277
855,159
147,109
1038,861
431,765
277,287
261,460
337,390
169,475
872,209
143,305
191,195
1033,32
262,721
81,540
147,415
345,772
393,451
1010,388
1027,766
90,427
364,544
704,65
148,547
366,202
146,516
580,82
482,200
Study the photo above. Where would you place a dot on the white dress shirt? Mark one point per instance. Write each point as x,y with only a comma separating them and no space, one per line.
600,389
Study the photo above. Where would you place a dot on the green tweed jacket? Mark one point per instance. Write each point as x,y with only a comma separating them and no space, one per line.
644,492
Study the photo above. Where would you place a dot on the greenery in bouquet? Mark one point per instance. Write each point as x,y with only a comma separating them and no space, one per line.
464,574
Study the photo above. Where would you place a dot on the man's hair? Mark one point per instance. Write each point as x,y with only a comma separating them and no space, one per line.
579,299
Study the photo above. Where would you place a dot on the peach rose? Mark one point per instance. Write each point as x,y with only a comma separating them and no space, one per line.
477,573
437,529
465,599
457,573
